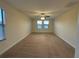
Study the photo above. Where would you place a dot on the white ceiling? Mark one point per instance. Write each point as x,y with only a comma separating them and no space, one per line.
35,7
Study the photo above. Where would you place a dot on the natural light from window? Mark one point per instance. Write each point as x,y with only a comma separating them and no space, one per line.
42,24
0,16
2,24
46,22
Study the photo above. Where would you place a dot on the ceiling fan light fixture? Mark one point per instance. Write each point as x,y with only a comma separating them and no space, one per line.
42,18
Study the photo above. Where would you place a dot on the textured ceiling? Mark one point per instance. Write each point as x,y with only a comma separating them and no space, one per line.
36,7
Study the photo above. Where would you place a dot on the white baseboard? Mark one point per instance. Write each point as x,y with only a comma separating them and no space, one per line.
64,40
12,45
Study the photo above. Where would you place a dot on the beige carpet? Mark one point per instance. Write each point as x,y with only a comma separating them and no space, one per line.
39,45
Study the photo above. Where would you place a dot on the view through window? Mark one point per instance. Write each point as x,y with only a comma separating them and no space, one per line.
2,23
42,24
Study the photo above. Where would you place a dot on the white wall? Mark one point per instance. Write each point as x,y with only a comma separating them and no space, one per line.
77,41
66,26
18,26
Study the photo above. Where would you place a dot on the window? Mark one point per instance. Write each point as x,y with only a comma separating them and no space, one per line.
46,23
39,24
0,17
42,24
2,23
